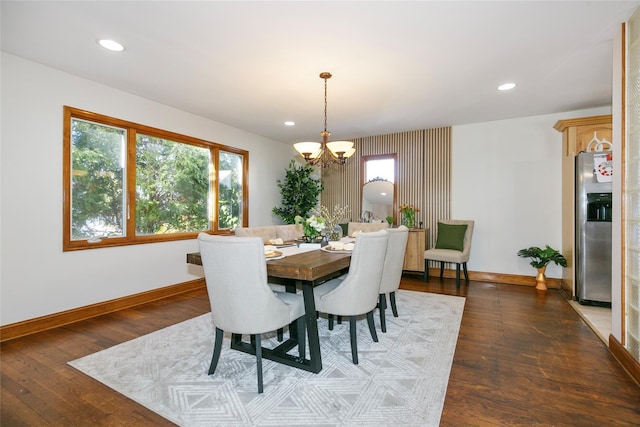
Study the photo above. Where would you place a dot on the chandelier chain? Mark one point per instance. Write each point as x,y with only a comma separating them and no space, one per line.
325,103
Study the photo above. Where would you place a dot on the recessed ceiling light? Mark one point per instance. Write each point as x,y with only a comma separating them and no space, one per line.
506,86
289,123
111,45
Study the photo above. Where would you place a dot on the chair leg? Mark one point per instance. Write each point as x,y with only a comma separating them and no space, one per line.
466,273
372,326
457,275
339,320
425,276
293,330
217,349
256,338
441,268
354,339
280,334
394,308
235,339
382,305
330,322
302,328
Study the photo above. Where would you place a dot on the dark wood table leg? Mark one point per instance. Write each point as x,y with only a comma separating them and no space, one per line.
315,359
279,354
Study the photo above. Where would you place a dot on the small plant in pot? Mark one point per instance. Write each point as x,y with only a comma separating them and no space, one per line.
540,258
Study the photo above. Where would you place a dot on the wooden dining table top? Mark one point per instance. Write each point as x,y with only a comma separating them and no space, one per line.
306,266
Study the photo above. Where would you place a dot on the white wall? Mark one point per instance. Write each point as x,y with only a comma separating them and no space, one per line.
36,277
506,175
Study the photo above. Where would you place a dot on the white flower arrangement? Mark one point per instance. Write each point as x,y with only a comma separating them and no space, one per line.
313,226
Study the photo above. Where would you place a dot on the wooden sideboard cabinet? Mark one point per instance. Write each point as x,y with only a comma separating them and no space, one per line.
414,254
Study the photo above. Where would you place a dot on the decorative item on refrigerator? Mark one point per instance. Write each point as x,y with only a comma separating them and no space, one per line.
603,165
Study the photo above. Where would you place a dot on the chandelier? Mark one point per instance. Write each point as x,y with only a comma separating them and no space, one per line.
325,153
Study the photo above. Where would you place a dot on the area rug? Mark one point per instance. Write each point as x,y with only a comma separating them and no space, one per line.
399,381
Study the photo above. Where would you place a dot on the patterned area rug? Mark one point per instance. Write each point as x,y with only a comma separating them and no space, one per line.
400,381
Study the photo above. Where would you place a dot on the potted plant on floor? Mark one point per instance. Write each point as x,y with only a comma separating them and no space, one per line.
540,258
300,190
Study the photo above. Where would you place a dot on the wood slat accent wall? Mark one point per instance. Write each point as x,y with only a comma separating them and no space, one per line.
423,174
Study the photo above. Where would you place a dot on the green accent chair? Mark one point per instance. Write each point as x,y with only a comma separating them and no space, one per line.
453,245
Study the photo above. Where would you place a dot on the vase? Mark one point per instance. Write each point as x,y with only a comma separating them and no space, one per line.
408,221
541,279
334,234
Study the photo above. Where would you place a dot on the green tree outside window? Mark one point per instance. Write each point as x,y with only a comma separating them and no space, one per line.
97,180
156,186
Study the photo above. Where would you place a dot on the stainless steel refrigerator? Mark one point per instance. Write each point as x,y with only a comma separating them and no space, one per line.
594,174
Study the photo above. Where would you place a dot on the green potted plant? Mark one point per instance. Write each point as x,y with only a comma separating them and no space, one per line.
299,190
540,258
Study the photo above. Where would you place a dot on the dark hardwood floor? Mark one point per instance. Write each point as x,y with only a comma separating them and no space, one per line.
523,358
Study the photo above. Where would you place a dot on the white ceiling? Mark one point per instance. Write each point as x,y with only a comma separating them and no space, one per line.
396,66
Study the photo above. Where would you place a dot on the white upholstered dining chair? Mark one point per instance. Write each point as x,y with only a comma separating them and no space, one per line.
392,271
241,300
356,293
453,245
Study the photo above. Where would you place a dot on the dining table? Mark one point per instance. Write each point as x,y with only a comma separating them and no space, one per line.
298,267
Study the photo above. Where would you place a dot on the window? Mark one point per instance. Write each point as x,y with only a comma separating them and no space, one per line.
380,167
172,186
126,183
230,186
98,190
